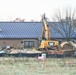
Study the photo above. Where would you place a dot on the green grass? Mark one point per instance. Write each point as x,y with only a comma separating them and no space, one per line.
32,66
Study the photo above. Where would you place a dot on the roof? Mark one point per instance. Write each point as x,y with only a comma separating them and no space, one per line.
26,30
20,30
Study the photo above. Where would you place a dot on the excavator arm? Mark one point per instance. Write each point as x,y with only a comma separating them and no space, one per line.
45,29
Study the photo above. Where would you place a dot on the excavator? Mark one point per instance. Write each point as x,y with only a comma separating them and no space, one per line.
45,37
51,46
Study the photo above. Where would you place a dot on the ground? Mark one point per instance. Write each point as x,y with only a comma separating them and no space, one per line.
33,66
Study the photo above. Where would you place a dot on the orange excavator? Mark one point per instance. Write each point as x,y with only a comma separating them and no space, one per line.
45,37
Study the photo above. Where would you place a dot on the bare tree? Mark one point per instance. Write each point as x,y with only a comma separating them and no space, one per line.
19,20
66,24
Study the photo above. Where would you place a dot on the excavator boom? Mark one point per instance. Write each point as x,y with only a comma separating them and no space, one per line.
45,29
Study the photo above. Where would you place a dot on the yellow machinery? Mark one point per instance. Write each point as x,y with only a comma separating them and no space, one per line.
51,47
45,38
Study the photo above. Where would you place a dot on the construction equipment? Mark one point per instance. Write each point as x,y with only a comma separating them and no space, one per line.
51,47
45,37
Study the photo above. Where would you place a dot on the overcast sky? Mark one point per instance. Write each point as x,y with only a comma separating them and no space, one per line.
32,9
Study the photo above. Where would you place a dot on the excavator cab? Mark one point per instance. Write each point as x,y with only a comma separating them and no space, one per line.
48,44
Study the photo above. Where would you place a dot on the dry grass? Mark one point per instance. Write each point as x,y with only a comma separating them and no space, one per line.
32,66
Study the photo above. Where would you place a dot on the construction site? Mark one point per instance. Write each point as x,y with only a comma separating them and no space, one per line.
37,37
51,47
36,54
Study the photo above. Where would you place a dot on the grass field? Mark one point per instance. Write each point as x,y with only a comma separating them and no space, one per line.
32,66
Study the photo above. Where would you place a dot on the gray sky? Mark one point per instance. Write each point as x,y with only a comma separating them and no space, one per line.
32,9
